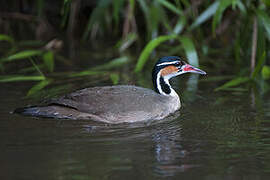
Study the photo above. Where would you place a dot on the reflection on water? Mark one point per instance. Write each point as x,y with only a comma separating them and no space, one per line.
215,136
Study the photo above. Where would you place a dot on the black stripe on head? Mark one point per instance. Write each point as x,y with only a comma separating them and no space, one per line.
165,87
162,63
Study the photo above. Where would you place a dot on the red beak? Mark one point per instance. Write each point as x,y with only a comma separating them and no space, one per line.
188,68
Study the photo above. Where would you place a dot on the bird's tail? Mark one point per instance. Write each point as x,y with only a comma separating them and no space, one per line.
38,111
32,110
54,111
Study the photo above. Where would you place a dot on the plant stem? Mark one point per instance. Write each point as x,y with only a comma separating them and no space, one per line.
36,67
254,45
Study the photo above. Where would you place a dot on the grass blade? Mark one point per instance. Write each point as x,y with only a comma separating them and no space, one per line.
96,16
22,55
65,12
219,12
259,65
4,37
88,73
117,7
48,59
21,78
190,50
209,12
265,20
234,82
115,78
39,86
266,72
149,48
170,6
117,62
180,25
36,67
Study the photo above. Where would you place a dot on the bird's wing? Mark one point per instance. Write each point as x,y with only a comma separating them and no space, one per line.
112,99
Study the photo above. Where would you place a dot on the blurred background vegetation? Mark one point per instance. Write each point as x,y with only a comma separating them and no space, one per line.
44,40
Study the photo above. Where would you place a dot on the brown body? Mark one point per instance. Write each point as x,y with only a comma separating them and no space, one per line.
110,104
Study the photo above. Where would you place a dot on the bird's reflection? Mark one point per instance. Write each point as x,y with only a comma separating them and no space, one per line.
170,153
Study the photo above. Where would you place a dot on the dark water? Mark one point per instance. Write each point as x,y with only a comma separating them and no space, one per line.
216,136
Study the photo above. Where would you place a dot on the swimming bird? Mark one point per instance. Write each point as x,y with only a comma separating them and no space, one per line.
121,103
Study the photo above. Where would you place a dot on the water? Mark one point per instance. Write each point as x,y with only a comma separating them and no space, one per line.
215,136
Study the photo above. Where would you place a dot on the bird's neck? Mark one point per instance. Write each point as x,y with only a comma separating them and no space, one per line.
162,85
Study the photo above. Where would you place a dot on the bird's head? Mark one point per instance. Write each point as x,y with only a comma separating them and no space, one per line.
171,66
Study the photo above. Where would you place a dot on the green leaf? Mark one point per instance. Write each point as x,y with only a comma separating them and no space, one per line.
30,69
259,65
149,48
234,82
261,40
265,20
40,7
65,12
7,38
48,59
127,41
241,6
218,15
115,78
22,55
209,12
237,89
180,25
170,6
117,62
21,78
39,86
96,16
117,7
190,50
88,73
146,12
216,78
266,72
266,2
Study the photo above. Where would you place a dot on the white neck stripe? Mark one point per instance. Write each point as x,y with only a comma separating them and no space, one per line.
172,93
167,63
158,84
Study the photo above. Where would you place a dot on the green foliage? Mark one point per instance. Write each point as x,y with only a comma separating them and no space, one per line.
208,13
223,4
170,6
190,50
266,72
14,78
265,20
149,48
48,59
114,63
259,66
115,78
65,12
39,86
97,16
175,27
4,37
186,42
234,82
21,55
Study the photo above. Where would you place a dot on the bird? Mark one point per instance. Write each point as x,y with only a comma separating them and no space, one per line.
120,103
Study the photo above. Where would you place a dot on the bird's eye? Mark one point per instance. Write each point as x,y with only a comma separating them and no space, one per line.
178,63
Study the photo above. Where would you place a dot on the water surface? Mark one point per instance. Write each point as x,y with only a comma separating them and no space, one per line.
220,135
